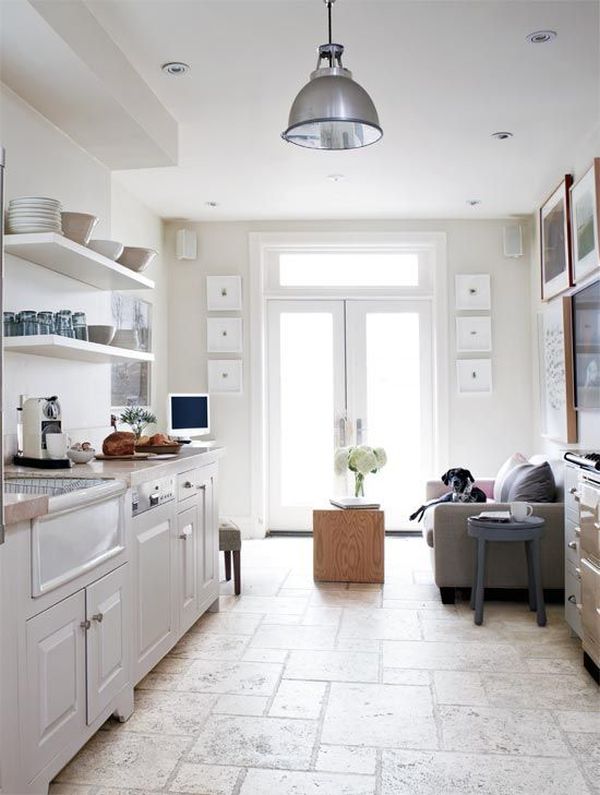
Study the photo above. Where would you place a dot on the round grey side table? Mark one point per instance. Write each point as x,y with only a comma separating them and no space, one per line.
529,531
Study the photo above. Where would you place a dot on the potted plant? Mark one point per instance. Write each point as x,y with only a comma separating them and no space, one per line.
137,418
361,461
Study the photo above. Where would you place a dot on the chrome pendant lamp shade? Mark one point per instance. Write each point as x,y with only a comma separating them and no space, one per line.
332,111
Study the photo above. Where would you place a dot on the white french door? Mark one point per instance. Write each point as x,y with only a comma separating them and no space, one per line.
344,372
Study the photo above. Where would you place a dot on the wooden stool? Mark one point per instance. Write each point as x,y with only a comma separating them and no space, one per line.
230,540
529,531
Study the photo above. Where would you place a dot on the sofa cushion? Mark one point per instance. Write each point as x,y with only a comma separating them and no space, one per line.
530,483
507,466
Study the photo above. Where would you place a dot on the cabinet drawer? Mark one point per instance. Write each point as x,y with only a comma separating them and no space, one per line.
190,483
590,600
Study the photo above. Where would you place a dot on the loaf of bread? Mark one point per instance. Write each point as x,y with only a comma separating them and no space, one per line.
119,443
159,438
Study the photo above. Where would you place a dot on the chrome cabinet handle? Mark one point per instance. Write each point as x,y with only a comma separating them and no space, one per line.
572,544
85,624
573,491
572,599
188,484
578,573
98,617
201,486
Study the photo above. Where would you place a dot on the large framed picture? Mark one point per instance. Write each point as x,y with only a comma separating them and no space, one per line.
555,236
586,346
585,222
557,385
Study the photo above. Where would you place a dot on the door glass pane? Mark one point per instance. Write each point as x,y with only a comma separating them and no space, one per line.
393,375
306,407
352,269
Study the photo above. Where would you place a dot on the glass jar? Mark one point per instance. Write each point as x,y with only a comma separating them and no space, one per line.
45,322
63,323
80,326
9,324
27,322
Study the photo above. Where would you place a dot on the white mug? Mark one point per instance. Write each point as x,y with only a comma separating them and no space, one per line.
57,445
519,511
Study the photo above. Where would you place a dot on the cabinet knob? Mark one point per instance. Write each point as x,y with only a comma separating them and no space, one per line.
185,533
572,599
572,544
575,493
578,573
85,624
98,617
577,530
188,484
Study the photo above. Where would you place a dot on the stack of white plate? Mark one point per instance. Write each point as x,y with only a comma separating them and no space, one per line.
33,214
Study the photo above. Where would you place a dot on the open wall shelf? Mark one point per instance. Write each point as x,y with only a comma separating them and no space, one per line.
59,254
66,348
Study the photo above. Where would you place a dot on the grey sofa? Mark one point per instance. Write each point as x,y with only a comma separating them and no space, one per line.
452,550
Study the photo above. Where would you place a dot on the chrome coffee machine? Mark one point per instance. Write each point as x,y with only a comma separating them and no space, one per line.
36,418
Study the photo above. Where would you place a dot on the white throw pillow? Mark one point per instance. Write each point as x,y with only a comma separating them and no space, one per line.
507,466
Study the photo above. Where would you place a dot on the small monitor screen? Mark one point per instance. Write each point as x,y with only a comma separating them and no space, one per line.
188,414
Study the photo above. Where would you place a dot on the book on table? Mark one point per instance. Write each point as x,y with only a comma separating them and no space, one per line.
354,503
493,516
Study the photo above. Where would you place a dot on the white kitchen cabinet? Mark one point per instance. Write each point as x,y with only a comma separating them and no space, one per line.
189,551
107,640
54,687
155,587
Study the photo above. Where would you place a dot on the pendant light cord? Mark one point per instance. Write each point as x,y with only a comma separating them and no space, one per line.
329,19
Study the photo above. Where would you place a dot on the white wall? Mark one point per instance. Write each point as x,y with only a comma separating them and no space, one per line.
42,160
484,430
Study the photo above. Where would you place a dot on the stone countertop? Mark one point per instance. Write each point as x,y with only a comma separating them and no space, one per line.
20,507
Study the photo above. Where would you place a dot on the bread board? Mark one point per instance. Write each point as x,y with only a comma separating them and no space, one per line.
159,448
134,457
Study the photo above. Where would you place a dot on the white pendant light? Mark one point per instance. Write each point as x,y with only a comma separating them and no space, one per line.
332,111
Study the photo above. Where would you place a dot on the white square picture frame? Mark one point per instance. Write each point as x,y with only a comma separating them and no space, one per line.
474,376
473,292
224,335
225,376
224,293
474,334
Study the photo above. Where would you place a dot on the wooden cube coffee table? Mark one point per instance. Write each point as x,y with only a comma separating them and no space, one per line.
348,545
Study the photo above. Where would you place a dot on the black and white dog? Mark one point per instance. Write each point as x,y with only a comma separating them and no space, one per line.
461,481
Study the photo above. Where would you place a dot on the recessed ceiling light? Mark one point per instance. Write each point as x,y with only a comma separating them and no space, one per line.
541,36
473,202
175,68
336,177
212,204
502,135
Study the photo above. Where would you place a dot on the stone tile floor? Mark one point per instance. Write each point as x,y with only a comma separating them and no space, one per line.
298,689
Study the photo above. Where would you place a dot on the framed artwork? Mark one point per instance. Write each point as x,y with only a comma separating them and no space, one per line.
474,334
131,381
555,238
225,376
473,291
585,305
557,387
224,335
474,375
224,293
585,222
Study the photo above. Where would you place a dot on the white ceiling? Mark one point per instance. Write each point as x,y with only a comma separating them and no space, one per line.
444,75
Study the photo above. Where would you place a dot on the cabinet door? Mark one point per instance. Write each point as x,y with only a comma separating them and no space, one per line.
187,559
208,554
155,588
53,692
107,640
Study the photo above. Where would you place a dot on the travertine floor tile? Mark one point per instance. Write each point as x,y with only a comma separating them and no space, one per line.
500,731
381,624
205,779
322,616
164,713
297,637
575,721
459,687
444,630
347,759
296,699
271,604
341,666
411,592
389,716
271,782
228,623
452,656
542,691
284,619
255,742
241,705
125,759
257,679
69,789
333,598
211,646
399,676
434,773
265,655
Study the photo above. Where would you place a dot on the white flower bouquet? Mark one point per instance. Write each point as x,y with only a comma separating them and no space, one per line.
361,460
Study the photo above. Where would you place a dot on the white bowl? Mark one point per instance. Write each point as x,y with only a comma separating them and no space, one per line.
102,335
137,259
78,226
81,456
108,248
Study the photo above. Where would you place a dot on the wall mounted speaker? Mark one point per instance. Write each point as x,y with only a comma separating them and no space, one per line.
186,245
513,240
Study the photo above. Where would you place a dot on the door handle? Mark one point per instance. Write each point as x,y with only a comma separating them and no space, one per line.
342,431
359,431
572,544
185,533
97,617
572,599
85,624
